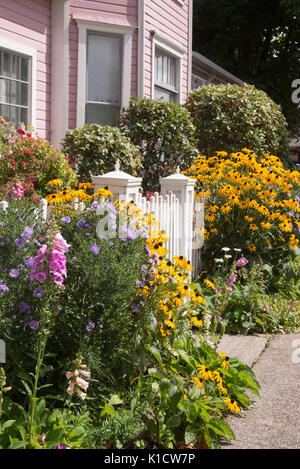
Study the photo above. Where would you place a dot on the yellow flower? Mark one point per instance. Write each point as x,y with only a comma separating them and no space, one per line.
251,247
198,382
293,242
204,372
226,208
55,182
196,322
232,405
209,283
265,224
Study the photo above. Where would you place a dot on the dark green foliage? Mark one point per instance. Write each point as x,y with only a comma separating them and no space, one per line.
94,149
165,135
256,41
232,117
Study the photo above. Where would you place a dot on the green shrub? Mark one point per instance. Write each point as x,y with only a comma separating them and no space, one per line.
165,135
230,117
94,149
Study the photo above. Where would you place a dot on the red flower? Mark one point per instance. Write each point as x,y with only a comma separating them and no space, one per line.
20,131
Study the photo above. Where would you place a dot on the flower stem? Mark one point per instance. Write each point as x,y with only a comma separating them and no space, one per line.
42,346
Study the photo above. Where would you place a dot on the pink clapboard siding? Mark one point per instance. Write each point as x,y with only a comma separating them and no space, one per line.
114,12
169,18
28,23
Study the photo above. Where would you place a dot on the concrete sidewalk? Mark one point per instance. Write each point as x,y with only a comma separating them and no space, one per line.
273,422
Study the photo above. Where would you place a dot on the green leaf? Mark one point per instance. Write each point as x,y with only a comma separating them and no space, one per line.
107,410
18,445
155,353
7,424
29,392
115,400
190,435
221,428
174,421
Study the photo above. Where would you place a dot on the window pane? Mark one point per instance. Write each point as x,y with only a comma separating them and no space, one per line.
24,69
4,90
15,69
105,115
165,95
6,65
24,94
104,68
165,67
14,114
24,116
14,93
4,111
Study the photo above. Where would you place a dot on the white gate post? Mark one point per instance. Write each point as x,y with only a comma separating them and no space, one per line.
183,188
123,186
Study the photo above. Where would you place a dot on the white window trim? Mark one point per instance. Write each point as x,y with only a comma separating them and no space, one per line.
176,51
126,32
18,48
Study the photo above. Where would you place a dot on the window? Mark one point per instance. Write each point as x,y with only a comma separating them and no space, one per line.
15,87
104,73
165,76
166,69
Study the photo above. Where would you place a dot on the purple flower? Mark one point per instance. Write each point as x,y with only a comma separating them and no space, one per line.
154,320
62,446
135,308
90,326
29,262
27,233
140,284
23,307
81,223
38,292
66,219
41,441
94,249
14,273
101,325
19,242
95,205
34,325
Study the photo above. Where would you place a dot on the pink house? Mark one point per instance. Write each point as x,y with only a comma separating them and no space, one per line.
67,62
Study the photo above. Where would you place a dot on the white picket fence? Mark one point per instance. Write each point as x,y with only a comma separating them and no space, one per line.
180,215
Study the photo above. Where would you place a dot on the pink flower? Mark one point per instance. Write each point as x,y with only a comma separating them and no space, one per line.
60,244
82,383
69,374
70,388
87,374
229,290
81,394
241,262
42,251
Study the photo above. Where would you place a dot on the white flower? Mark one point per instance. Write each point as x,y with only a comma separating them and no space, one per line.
227,256
237,249
226,249
219,260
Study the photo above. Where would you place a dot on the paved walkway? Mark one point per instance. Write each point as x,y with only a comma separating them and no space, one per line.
273,422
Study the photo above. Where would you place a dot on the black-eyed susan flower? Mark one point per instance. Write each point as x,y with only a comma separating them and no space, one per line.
196,322
198,382
209,283
232,405
204,372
